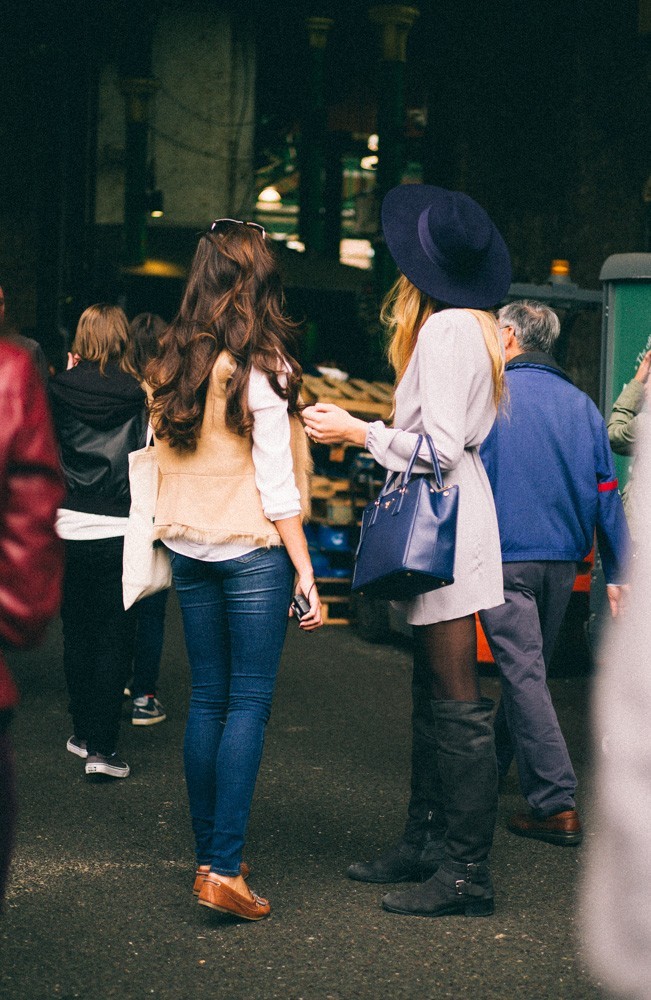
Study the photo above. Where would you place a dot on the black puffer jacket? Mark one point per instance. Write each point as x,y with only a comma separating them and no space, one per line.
99,419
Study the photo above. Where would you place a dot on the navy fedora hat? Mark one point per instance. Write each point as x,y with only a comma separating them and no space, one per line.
446,245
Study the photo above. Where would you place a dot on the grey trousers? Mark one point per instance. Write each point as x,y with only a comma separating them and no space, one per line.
521,634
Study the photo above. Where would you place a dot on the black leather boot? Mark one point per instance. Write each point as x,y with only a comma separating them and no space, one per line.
425,826
420,851
453,889
401,863
468,772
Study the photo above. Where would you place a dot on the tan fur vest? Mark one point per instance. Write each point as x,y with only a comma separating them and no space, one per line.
209,495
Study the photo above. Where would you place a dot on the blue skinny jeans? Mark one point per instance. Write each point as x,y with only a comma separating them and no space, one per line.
235,616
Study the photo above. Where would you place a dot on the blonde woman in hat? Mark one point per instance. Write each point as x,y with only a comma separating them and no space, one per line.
446,351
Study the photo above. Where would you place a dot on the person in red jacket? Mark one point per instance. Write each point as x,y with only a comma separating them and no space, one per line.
31,554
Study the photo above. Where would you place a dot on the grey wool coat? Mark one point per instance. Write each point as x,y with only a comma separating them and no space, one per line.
447,392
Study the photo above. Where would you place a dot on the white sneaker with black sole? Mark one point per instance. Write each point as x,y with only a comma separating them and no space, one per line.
107,764
147,711
77,746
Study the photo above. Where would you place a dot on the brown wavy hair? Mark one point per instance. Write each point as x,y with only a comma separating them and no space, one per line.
233,301
145,331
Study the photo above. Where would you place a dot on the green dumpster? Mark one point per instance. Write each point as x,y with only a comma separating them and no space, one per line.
626,330
625,336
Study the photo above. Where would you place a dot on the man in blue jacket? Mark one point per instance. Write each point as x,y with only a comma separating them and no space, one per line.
553,478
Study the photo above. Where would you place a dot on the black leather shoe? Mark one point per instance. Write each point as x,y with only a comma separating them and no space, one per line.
402,863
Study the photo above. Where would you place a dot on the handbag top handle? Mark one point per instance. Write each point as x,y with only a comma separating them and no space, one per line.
436,465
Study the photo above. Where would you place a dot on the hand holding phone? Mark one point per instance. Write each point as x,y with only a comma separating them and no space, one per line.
300,606
305,605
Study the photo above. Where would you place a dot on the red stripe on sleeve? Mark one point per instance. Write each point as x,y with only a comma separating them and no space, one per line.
605,487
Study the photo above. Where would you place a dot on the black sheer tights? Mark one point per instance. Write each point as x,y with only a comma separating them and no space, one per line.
448,652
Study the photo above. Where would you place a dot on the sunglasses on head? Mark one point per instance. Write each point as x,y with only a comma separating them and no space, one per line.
240,222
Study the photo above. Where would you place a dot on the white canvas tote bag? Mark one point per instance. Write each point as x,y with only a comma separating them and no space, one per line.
146,565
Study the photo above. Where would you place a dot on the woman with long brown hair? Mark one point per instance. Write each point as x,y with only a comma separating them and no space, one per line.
234,468
447,355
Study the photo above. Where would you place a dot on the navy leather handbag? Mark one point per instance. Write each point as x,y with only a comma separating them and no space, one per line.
408,535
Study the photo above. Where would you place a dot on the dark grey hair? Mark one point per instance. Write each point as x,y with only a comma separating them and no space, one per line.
535,325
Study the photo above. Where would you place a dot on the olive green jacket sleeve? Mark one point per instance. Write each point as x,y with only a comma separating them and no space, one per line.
622,425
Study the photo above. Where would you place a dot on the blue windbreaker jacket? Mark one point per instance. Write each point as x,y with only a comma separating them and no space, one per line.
551,469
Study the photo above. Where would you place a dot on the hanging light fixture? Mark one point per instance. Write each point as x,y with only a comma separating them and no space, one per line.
269,196
155,204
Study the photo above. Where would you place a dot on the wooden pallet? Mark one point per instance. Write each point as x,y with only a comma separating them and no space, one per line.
334,593
336,611
331,501
325,488
363,399
380,391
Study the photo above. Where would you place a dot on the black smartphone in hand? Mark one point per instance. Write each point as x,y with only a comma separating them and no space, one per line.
299,606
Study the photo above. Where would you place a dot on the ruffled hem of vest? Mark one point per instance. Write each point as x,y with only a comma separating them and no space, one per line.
182,531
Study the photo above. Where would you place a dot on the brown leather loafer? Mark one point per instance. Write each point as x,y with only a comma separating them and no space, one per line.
224,898
202,871
562,828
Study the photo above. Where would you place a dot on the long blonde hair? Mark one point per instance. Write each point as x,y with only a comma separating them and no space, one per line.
406,309
102,335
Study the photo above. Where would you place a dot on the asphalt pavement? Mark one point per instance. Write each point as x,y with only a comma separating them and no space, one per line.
100,903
